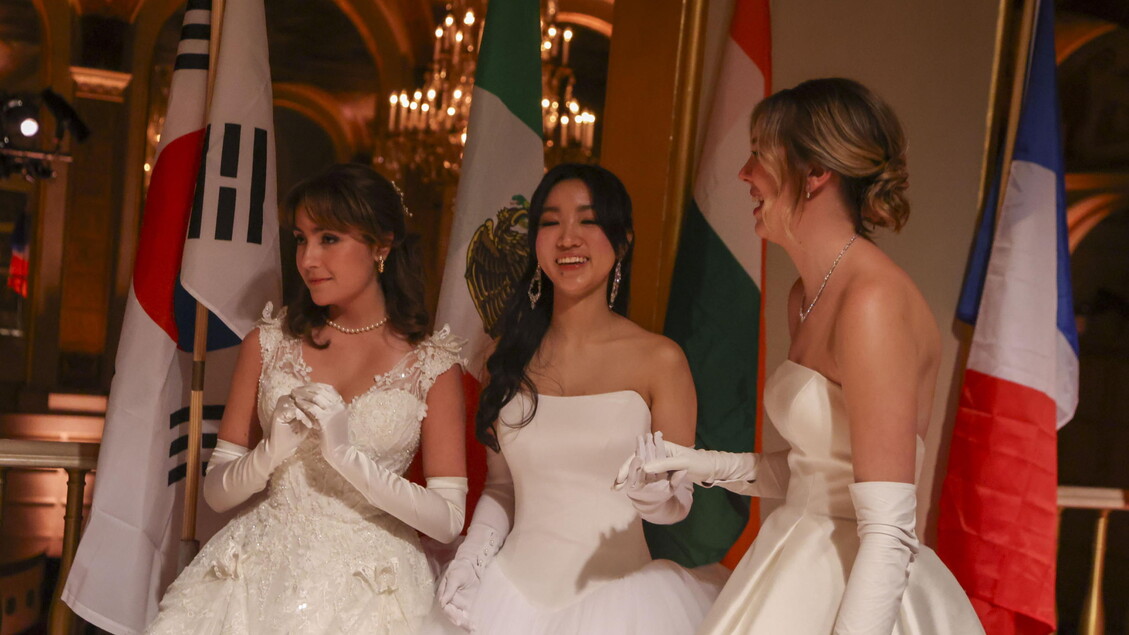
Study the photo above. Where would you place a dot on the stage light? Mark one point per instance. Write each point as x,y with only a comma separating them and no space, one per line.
20,118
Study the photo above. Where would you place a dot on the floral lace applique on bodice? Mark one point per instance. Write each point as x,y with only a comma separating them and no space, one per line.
314,556
384,421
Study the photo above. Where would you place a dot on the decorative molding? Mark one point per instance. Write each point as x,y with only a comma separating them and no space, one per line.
100,84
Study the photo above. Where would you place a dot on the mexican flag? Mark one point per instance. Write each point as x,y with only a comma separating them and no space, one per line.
716,311
502,163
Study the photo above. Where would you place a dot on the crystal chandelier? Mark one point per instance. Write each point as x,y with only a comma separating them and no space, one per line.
426,128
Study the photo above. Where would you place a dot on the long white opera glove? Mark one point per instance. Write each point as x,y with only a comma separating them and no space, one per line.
707,467
234,474
887,514
437,510
493,518
660,498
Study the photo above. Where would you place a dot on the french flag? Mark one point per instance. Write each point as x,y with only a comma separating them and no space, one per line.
997,528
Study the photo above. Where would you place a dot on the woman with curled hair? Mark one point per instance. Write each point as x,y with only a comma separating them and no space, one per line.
553,549
841,555
330,401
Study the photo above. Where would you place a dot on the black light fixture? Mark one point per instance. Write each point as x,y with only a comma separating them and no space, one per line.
20,126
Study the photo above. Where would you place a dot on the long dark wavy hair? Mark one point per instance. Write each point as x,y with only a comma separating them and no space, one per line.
350,197
523,327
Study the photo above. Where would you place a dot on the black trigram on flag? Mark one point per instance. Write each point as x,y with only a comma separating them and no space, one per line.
178,448
195,28
232,178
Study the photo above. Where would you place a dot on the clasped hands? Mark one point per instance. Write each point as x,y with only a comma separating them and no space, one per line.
308,407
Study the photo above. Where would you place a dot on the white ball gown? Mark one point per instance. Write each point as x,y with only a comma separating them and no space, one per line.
792,578
312,555
575,561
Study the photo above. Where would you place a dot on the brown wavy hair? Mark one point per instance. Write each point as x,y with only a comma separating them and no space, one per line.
350,197
843,126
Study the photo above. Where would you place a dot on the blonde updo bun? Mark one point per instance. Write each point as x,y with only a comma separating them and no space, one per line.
843,126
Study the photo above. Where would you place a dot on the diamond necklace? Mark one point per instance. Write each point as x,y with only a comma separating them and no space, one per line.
349,331
804,313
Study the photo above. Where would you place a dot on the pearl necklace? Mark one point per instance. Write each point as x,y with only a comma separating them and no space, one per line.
349,331
804,313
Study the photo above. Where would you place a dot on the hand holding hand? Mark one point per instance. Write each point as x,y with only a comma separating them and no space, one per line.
707,467
660,497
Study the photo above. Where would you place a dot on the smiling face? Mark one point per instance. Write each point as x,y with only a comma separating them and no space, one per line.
572,248
764,192
337,266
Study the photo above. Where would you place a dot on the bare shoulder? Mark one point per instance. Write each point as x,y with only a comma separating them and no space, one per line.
882,303
251,343
659,352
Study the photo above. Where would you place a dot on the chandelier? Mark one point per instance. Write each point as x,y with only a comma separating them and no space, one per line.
425,129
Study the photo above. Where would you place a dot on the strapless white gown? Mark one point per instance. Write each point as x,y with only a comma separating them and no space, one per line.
312,556
576,561
792,578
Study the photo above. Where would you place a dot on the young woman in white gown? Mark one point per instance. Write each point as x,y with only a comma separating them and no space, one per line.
334,396
553,549
854,398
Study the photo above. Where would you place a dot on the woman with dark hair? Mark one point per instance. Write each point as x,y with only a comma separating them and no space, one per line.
572,385
853,400
334,395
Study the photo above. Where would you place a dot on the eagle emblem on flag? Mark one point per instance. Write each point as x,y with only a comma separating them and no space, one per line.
496,256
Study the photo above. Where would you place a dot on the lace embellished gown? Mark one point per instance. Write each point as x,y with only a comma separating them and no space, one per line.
792,578
576,561
312,555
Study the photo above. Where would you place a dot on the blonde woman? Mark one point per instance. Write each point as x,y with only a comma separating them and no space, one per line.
841,555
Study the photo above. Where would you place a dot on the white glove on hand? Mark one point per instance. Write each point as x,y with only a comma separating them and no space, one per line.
887,515
660,498
437,510
707,467
234,474
493,515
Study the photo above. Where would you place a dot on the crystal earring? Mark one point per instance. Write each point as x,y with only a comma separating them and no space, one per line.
807,195
615,282
535,289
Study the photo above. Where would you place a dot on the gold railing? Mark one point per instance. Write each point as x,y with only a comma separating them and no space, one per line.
77,459
1104,500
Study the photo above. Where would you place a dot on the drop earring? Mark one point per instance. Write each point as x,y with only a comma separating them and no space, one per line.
615,283
380,265
535,289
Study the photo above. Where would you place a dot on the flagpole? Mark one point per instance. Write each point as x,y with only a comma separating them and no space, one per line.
1018,83
189,546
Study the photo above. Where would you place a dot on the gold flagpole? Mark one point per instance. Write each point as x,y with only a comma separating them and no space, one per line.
188,543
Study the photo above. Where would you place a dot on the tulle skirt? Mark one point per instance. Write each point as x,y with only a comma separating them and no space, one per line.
661,598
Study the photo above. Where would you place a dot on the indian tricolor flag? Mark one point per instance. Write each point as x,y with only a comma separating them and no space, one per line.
997,528
716,310
502,163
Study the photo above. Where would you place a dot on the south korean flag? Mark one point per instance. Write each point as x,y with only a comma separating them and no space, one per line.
231,258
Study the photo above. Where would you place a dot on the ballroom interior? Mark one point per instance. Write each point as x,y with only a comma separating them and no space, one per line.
629,76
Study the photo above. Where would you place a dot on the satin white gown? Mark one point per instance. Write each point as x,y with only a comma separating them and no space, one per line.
576,561
792,578
312,555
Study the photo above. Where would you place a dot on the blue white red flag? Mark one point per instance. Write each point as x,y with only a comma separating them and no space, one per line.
997,529
219,210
